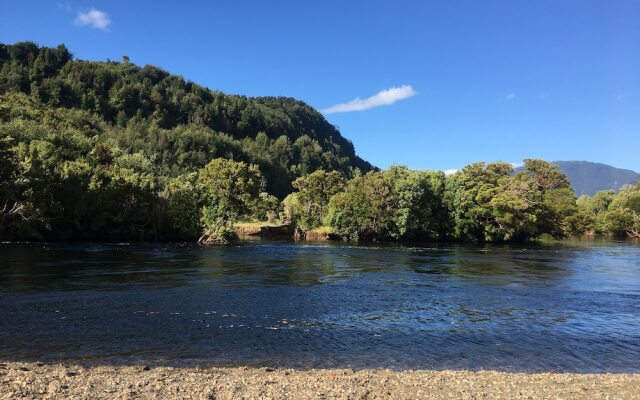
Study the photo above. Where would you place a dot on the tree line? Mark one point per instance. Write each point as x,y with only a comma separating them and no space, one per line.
65,175
608,213
483,202
113,151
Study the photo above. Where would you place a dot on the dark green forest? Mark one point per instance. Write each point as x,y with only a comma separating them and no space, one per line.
120,124
114,151
182,124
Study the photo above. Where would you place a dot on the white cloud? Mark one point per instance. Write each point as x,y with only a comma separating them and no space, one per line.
94,18
383,98
517,164
510,96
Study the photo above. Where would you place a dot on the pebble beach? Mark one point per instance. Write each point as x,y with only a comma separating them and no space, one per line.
64,381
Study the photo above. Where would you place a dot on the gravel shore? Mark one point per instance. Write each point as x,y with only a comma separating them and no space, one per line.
40,381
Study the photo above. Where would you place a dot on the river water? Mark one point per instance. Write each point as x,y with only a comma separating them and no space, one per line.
571,306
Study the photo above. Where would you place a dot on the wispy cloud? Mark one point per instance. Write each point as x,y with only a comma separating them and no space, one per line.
510,96
517,164
622,96
64,6
94,18
383,98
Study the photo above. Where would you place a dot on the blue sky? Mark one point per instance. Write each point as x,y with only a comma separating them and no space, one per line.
459,81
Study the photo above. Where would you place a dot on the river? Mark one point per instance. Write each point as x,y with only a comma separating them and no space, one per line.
564,306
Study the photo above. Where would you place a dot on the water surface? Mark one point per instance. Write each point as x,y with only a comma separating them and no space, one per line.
559,307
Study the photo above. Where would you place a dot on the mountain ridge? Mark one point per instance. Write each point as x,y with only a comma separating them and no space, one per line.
588,177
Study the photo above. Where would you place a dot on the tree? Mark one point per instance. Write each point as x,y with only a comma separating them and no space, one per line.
292,208
122,199
623,215
488,203
580,223
228,189
12,209
468,195
184,207
619,222
513,211
555,200
627,197
314,192
416,202
364,210
266,208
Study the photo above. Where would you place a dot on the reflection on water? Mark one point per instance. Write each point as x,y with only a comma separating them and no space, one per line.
567,307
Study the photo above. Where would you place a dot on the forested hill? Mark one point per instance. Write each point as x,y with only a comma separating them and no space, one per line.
178,124
116,152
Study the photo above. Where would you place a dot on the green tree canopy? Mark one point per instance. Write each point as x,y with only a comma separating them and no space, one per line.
229,190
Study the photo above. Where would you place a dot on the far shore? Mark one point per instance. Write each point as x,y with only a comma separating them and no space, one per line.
63,381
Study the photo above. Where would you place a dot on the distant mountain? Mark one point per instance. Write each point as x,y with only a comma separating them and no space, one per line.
589,177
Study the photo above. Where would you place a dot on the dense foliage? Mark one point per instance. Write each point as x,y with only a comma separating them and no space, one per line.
398,203
229,191
307,206
482,202
609,213
95,150
112,151
64,176
179,124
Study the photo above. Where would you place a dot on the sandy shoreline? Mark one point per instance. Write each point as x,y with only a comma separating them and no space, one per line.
57,381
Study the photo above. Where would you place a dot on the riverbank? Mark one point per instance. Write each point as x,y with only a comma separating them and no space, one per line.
57,381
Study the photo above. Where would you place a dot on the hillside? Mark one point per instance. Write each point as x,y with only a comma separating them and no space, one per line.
113,151
589,177
180,124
